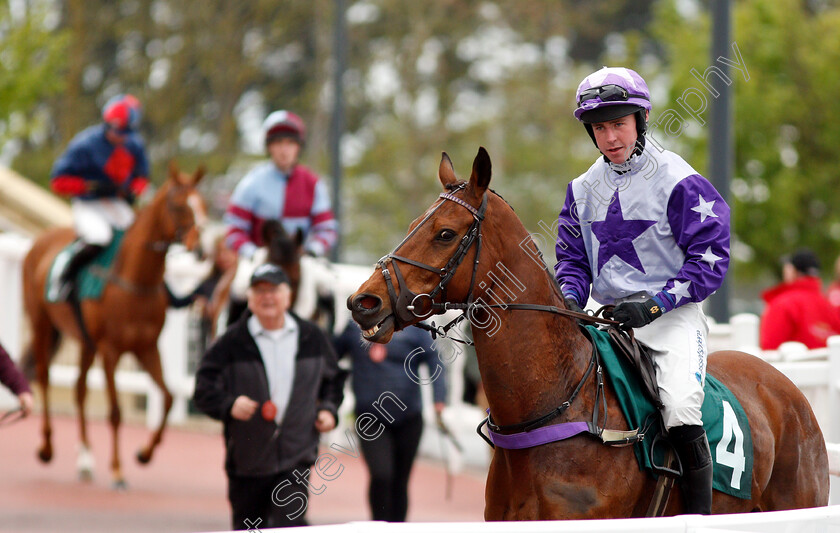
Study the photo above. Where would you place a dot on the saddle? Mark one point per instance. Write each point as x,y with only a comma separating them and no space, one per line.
91,279
638,355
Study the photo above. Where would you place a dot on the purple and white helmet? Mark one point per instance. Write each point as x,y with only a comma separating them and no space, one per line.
610,93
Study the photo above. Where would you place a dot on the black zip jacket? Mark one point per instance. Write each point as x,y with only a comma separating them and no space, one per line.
233,366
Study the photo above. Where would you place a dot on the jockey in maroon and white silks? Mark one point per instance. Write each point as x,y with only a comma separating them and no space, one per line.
281,189
649,234
299,200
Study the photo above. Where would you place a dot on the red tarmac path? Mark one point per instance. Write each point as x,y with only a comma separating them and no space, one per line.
183,488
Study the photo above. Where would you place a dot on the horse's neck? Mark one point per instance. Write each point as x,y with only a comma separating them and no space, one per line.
530,361
140,260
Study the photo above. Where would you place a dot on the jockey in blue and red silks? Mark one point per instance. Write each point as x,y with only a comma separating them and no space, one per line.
102,170
281,189
649,234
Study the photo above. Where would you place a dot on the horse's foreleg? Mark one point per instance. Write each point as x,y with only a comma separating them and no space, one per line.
84,460
109,359
150,361
42,333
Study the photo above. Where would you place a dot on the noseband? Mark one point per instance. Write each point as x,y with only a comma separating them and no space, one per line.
409,306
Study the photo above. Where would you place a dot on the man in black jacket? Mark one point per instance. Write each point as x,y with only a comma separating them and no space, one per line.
273,380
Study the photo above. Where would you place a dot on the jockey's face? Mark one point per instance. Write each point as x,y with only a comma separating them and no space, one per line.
616,138
269,303
115,136
284,152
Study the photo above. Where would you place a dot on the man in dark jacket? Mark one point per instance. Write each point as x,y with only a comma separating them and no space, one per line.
273,380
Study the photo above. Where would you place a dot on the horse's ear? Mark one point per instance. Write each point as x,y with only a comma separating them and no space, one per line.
446,172
174,173
199,173
481,170
299,237
269,228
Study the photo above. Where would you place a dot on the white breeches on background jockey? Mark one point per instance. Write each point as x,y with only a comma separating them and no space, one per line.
93,220
678,345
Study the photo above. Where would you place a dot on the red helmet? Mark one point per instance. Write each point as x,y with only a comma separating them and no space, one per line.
284,124
122,112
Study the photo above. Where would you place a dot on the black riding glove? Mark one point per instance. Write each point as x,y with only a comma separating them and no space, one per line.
636,314
572,305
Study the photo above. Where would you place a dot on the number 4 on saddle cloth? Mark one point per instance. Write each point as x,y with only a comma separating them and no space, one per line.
91,279
724,420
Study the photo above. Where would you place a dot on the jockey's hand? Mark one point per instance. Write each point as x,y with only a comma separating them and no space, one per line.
636,314
572,305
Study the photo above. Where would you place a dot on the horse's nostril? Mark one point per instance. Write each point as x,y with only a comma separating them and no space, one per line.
364,302
369,302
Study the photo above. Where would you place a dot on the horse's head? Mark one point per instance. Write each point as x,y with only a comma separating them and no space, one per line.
283,249
180,209
436,266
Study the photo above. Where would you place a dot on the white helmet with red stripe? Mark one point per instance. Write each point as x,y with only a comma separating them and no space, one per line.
284,124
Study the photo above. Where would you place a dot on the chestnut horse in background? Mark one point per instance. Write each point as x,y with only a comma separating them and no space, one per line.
129,315
531,361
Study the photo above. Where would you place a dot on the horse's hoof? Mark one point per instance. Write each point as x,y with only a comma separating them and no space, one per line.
119,485
143,457
45,455
86,476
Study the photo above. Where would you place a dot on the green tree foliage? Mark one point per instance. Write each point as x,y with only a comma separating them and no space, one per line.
451,76
427,77
784,188
30,56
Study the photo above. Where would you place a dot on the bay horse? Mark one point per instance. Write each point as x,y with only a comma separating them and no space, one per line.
310,278
128,317
531,361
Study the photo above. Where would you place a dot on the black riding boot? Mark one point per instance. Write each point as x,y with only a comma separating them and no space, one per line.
75,265
692,447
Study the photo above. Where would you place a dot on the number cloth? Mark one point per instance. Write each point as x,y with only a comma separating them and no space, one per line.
724,419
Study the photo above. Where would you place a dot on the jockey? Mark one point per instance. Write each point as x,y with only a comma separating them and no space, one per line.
281,189
103,169
649,234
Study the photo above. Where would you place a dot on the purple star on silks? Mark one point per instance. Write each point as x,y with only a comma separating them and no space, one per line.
616,235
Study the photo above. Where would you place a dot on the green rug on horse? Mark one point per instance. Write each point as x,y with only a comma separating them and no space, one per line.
92,278
724,419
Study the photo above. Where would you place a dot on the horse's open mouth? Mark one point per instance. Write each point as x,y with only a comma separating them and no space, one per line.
381,332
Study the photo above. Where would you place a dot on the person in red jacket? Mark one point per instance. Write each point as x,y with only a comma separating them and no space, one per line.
796,309
833,292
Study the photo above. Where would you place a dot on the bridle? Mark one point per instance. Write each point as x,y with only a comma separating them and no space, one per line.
408,305
177,210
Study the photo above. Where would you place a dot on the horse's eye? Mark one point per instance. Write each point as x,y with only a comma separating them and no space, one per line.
446,235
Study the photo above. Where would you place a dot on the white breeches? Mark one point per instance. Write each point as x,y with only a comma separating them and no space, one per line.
678,344
93,220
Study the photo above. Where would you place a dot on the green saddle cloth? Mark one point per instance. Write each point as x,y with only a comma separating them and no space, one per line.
92,279
726,424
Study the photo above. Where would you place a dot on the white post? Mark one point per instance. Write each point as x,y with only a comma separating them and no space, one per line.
13,248
173,348
745,332
832,432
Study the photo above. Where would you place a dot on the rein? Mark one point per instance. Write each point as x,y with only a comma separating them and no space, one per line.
408,306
